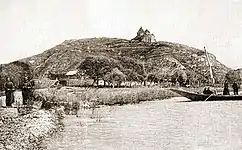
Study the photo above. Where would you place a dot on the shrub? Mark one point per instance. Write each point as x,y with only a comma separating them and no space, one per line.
233,76
71,98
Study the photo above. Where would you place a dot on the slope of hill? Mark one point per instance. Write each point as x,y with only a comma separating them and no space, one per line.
161,59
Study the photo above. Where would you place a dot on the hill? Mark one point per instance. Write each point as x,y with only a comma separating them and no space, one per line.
156,61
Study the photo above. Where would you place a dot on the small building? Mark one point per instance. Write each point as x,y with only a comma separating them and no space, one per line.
144,36
100,82
140,32
71,73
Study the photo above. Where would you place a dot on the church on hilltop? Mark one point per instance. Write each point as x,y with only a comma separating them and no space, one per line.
144,36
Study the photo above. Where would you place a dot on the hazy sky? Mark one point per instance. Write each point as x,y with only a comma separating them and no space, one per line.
29,27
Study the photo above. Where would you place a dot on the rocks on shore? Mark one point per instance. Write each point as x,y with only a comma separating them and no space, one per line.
26,132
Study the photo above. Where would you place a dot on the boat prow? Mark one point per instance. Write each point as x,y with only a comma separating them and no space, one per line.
205,97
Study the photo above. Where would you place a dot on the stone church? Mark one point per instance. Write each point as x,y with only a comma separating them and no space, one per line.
144,36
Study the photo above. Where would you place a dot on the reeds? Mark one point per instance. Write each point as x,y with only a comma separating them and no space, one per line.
74,98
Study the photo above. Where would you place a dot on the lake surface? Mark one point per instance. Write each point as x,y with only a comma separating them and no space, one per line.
166,125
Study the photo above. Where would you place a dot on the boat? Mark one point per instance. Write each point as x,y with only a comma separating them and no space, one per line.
206,97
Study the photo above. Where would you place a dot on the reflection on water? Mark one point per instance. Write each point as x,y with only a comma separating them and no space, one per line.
167,124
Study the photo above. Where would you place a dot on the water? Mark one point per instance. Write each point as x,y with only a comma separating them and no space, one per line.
166,125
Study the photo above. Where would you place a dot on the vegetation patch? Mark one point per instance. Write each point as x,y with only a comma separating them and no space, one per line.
27,132
74,98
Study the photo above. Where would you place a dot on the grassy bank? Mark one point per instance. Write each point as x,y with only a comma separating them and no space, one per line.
73,98
27,131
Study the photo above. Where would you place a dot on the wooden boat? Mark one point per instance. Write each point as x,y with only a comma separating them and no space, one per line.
206,97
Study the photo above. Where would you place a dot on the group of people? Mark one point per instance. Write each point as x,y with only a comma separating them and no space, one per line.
234,86
26,91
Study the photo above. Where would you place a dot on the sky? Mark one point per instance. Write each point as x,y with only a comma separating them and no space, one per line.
29,27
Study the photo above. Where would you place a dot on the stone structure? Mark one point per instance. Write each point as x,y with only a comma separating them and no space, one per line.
144,36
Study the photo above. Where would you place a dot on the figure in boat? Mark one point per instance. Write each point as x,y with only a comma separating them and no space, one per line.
235,88
207,91
226,88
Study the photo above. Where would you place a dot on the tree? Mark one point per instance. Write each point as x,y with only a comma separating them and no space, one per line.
233,76
115,76
179,76
133,76
16,70
164,74
151,77
96,67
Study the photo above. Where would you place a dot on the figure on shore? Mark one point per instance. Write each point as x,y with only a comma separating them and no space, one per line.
9,91
226,88
236,88
26,91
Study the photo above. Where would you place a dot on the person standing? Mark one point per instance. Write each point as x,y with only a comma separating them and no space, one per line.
9,91
226,88
236,88
26,90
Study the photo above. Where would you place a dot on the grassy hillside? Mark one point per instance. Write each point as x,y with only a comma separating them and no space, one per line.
151,61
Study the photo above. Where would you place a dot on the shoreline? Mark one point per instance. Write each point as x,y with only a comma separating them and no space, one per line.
27,131
24,129
68,100
30,130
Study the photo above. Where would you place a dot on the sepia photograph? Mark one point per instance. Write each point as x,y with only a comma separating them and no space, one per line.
121,75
